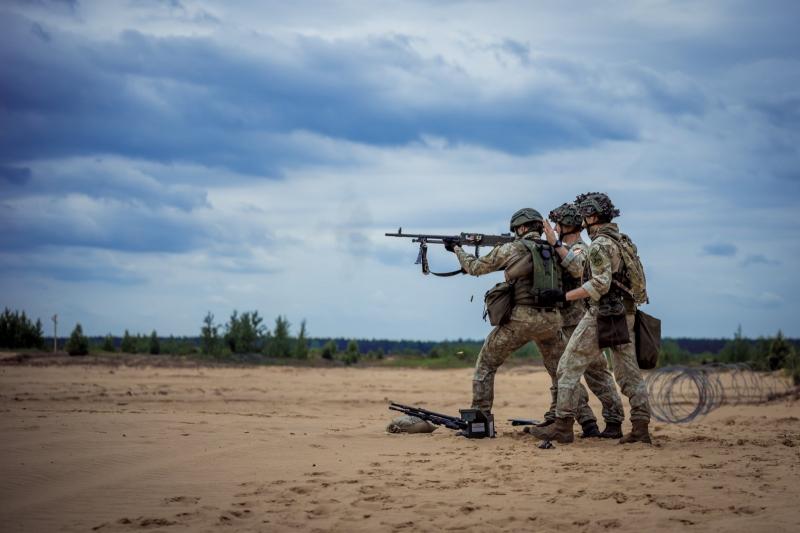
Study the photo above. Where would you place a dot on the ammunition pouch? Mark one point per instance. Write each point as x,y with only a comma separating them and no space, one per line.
612,324
498,303
647,330
612,330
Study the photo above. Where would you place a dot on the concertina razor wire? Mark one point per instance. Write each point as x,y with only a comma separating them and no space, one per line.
681,394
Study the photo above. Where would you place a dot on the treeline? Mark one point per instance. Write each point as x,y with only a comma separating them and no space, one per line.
714,346
18,331
245,338
764,353
246,334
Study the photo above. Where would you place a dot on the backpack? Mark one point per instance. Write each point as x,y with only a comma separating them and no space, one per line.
633,272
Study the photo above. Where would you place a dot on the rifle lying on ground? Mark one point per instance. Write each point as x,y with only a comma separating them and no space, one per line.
464,239
474,423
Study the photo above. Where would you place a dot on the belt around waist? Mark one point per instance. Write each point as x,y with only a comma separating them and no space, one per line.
545,309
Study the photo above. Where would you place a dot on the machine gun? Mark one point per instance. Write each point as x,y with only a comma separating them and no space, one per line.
464,239
473,424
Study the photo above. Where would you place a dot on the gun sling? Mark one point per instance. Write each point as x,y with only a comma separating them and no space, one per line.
422,259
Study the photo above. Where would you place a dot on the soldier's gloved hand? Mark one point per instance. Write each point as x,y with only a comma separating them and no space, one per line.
450,244
553,296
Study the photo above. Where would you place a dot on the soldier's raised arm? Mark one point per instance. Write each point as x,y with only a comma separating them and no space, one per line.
601,269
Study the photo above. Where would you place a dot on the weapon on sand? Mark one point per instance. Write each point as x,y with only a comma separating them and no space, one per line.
473,423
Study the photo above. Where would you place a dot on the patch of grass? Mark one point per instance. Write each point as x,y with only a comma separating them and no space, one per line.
424,362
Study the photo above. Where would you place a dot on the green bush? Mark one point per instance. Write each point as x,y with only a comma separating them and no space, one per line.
329,350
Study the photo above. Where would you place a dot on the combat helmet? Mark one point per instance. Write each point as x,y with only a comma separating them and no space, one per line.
566,215
525,216
596,203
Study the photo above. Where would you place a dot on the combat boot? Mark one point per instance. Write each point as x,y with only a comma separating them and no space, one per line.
560,431
613,430
590,429
639,433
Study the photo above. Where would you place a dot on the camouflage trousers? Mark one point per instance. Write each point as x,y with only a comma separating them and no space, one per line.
526,324
600,381
582,353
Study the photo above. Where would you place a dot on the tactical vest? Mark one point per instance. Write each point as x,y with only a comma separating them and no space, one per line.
618,295
546,274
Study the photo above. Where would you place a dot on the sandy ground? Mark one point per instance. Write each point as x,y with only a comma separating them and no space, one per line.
276,449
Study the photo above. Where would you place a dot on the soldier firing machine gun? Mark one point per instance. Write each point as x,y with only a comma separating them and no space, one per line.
464,239
474,423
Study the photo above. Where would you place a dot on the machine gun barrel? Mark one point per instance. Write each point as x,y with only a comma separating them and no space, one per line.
477,240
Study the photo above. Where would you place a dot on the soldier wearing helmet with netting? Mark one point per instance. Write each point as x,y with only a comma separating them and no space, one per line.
530,319
614,286
573,251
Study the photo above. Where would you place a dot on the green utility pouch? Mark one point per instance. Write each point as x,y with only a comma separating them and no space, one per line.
547,271
647,329
612,326
498,303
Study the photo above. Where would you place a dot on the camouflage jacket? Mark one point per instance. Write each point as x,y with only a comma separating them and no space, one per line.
500,256
604,260
574,263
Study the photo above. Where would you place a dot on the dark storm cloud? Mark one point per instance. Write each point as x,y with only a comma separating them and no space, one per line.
189,99
137,230
77,273
15,175
720,249
97,178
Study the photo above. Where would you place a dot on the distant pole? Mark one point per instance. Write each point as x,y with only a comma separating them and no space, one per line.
55,333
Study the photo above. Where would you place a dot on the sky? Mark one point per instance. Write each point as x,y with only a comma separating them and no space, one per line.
164,159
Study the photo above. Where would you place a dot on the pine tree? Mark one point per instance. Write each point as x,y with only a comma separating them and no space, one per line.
78,343
37,339
352,354
108,344
128,344
301,344
780,352
280,345
155,345
738,350
209,336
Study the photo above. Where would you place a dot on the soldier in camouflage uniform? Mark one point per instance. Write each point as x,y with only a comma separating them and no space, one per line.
572,250
606,267
527,323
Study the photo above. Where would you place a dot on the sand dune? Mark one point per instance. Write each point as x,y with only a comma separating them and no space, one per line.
282,449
